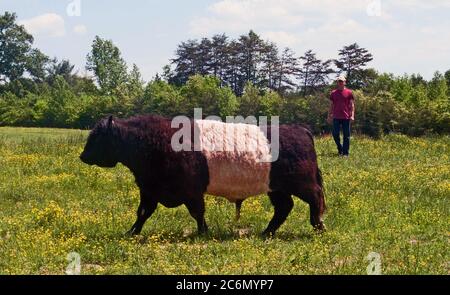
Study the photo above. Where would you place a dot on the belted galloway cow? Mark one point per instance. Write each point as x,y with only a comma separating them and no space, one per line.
233,161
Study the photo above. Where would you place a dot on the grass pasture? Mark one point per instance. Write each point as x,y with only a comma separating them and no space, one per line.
390,197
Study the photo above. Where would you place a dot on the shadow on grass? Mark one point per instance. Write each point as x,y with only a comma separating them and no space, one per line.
294,236
328,154
194,237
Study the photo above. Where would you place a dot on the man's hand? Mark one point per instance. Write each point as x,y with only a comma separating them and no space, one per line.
330,119
352,118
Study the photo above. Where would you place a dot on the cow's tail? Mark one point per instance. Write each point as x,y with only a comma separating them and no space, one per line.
319,179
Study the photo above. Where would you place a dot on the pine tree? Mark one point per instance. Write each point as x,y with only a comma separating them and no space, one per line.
288,68
185,62
250,55
351,62
269,74
314,73
218,62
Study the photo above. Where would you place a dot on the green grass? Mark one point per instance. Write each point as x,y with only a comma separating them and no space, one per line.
20,134
391,197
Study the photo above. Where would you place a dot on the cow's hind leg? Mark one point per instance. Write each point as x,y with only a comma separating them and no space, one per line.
196,208
316,201
145,210
283,205
238,209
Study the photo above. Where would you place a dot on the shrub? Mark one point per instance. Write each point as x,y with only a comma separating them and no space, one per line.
205,92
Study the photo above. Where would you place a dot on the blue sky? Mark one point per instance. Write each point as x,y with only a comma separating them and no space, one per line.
405,36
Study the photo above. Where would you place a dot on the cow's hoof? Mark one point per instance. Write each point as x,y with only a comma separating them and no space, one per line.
320,228
202,230
267,234
131,233
202,233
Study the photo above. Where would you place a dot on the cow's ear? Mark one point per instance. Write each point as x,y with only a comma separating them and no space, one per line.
110,122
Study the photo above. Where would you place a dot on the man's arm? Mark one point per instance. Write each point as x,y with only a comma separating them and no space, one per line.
330,113
352,108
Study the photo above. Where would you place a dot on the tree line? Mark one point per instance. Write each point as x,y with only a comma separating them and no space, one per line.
246,76
251,59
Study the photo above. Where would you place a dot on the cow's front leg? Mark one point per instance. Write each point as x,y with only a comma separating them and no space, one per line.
145,210
196,208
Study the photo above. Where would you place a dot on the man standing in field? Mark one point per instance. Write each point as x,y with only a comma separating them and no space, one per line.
342,112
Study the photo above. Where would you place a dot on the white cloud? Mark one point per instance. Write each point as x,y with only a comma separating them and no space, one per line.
80,29
49,24
285,21
242,15
282,38
430,4
239,16
341,26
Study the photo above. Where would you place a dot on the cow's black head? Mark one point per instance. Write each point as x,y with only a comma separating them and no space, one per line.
101,148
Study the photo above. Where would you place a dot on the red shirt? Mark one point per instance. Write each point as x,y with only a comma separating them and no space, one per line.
342,103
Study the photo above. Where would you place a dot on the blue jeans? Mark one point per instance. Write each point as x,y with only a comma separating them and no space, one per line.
337,123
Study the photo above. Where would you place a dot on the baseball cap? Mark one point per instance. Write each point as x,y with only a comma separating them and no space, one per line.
341,78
